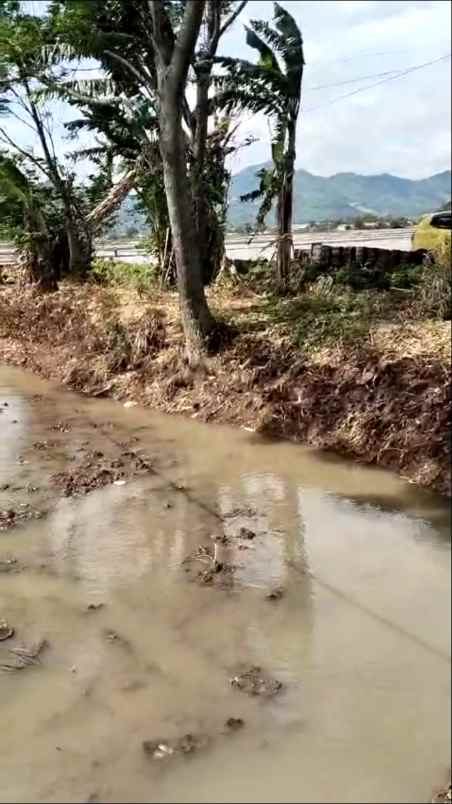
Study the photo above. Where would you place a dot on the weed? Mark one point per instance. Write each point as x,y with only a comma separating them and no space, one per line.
137,276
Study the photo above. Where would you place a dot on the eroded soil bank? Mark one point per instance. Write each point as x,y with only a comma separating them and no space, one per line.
381,395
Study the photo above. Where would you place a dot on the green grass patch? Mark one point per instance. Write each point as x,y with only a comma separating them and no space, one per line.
314,320
137,276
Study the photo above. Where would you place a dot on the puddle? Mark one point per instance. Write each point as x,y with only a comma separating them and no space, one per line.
342,594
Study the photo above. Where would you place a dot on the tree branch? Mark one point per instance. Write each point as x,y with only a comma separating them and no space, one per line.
162,32
186,41
213,19
7,139
141,77
232,17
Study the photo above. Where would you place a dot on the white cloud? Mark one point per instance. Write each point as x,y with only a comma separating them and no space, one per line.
401,126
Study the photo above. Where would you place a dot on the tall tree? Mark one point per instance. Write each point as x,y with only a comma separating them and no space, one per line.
123,105
272,86
172,61
24,67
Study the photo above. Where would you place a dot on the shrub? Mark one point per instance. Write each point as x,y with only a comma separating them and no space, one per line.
138,276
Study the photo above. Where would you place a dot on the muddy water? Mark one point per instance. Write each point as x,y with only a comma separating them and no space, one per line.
360,637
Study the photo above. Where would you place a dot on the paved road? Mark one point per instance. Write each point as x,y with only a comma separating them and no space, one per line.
237,246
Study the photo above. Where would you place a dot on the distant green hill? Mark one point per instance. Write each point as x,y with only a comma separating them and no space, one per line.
346,195
320,198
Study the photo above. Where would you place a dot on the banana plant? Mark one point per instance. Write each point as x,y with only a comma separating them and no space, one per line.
271,86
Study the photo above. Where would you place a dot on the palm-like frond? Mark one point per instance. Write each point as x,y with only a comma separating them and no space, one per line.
268,60
272,86
291,36
96,91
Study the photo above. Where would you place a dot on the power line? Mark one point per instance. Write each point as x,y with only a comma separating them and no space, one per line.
378,83
352,80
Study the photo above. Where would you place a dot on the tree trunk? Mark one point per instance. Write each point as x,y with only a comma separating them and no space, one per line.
79,241
197,320
113,200
37,258
205,218
285,211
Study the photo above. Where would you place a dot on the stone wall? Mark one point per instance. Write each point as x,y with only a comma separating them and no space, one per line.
332,258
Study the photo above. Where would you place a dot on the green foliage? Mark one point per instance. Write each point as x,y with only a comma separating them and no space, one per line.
137,276
318,320
407,276
272,86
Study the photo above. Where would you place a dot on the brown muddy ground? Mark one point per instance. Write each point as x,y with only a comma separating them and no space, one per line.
383,399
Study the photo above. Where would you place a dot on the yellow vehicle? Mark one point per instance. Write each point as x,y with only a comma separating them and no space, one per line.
433,232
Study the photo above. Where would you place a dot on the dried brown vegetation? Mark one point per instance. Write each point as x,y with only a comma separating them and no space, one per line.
366,383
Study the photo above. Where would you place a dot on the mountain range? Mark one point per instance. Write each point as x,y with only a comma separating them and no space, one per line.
322,198
346,195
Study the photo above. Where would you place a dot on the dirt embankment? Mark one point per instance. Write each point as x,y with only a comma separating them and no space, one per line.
383,398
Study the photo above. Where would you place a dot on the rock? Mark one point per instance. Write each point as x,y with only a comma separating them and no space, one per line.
158,750
6,631
130,404
255,682
95,606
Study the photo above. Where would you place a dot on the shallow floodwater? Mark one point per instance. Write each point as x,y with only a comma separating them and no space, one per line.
360,638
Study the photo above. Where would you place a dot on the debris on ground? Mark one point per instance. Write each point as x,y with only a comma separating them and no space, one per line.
61,427
255,682
275,594
95,470
21,657
95,606
248,512
234,723
11,518
443,795
188,744
42,445
6,631
246,533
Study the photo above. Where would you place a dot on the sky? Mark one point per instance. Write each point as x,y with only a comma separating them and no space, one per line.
401,126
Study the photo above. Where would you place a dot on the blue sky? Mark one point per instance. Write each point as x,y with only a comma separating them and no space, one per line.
401,126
